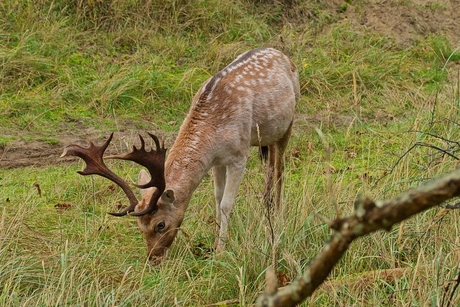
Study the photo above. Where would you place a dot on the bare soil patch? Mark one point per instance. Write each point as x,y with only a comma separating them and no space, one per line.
30,149
405,21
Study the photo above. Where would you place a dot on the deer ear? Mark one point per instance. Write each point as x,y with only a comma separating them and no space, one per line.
143,178
168,197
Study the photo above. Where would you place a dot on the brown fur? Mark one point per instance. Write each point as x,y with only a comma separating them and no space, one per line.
251,102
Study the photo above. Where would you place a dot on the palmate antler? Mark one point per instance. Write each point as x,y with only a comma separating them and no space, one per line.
153,160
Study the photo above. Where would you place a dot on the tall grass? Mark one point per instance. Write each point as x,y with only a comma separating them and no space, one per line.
85,59
61,248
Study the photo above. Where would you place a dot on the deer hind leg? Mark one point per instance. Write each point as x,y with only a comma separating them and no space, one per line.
269,158
275,170
219,173
280,163
233,177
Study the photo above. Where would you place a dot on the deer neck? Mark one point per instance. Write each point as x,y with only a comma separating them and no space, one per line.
185,168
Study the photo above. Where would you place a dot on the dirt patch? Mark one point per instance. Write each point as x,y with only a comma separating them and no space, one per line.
30,153
28,149
405,21
31,150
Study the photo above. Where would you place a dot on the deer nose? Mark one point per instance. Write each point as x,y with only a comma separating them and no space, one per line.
157,255
155,260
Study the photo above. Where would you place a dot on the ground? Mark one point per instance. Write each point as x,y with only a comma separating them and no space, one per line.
39,150
405,21
408,21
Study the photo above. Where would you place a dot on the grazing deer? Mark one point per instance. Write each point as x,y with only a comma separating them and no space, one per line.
250,102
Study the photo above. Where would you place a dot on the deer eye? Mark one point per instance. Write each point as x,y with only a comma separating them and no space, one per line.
161,226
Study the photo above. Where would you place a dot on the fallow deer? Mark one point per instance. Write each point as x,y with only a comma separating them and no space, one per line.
251,102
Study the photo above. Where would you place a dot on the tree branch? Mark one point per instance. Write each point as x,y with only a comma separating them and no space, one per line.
369,217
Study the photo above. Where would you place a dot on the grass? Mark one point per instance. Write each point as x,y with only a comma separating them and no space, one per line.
104,65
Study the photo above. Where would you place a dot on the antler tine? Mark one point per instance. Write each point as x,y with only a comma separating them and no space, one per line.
157,142
93,157
153,160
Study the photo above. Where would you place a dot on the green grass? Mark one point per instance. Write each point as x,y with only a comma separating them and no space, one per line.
132,67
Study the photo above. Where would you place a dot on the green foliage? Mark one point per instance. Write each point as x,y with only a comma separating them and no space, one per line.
101,63
92,58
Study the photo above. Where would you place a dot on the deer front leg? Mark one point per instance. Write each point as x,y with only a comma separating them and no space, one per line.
233,178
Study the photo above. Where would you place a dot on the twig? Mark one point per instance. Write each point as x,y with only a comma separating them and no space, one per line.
452,293
437,148
454,289
437,137
436,220
455,206
411,148
395,164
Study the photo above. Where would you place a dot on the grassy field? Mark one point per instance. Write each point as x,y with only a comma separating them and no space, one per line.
388,113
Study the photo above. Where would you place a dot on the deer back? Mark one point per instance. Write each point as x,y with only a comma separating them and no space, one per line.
250,102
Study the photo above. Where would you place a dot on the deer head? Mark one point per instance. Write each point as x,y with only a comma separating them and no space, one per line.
154,211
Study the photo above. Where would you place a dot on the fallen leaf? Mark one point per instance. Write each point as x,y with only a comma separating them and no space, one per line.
283,279
63,207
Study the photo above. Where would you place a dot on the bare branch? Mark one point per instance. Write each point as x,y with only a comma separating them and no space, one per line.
370,216
437,148
396,164
456,282
437,137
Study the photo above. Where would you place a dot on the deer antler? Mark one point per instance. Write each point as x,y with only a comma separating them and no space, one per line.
153,160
